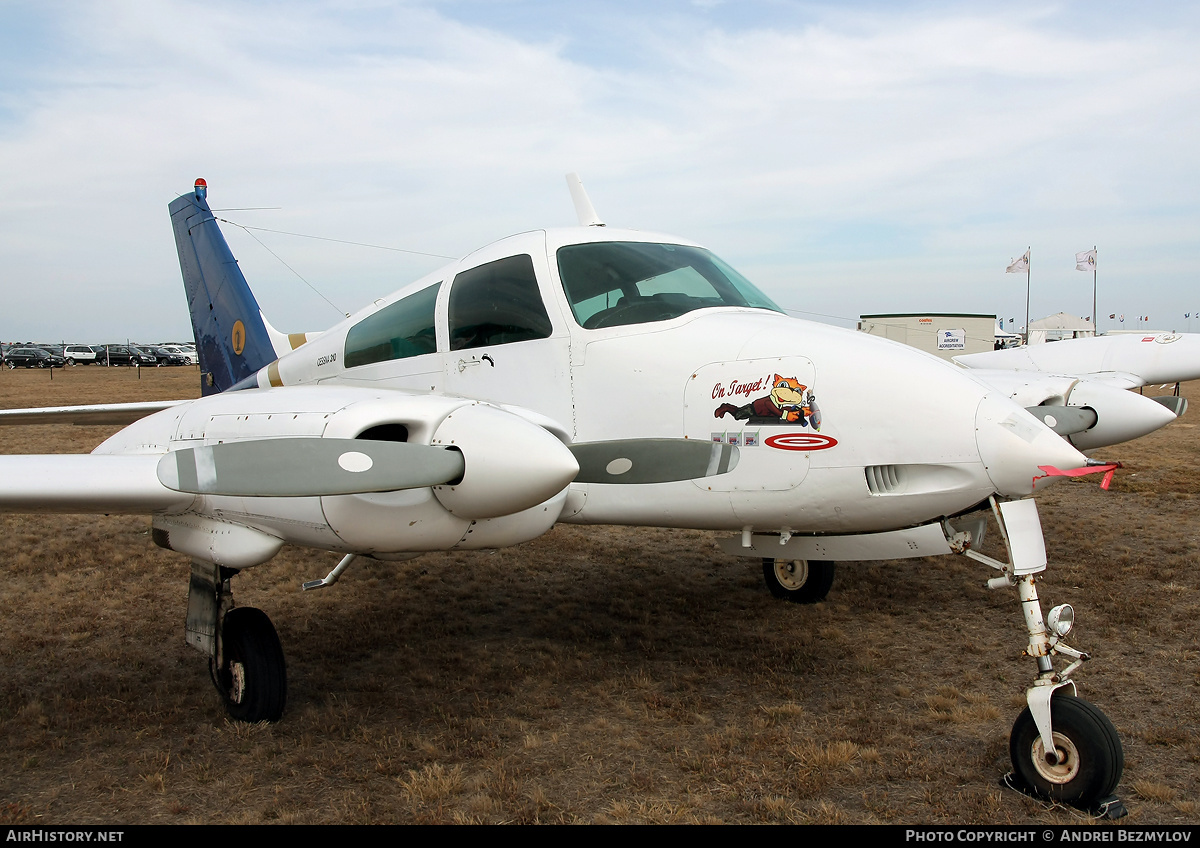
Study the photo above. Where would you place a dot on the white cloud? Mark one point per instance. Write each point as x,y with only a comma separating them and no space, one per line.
854,147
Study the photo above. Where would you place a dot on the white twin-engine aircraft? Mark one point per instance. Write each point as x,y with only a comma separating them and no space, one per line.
600,376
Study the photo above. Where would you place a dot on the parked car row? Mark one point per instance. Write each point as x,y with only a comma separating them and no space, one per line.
58,356
32,357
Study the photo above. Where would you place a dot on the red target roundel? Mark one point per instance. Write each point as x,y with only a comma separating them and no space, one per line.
800,441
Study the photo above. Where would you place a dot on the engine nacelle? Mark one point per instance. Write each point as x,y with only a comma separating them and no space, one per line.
1121,415
511,489
511,465
218,542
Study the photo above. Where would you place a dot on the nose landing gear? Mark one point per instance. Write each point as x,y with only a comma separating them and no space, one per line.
1086,763
1062,747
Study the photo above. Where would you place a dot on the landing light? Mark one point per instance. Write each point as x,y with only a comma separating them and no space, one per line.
1061,619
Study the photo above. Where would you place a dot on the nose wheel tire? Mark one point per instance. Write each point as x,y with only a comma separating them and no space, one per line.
1088,759
800,581
253,677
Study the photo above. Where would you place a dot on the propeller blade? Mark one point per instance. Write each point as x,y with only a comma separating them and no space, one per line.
314,467
1064,420
307,467
630,461
1175,403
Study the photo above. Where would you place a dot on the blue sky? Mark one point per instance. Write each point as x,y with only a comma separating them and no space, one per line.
849,158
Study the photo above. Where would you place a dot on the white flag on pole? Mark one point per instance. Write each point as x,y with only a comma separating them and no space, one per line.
1019,266
1086,261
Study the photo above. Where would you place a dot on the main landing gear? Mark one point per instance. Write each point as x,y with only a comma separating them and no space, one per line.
801,581
245,655
1062,747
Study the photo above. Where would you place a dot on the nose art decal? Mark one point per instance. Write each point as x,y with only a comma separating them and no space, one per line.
787,402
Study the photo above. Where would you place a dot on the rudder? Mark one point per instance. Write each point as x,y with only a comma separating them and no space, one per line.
232,341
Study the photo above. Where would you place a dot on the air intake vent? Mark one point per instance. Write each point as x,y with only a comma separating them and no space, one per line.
885,479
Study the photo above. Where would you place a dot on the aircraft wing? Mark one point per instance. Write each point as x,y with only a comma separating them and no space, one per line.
1117,379
1128,361
483,459
100,413
85,483
1078,387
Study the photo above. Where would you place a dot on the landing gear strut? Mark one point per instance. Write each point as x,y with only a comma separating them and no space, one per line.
245,656
1062,747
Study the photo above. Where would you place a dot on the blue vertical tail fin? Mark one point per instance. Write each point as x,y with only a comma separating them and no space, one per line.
231,337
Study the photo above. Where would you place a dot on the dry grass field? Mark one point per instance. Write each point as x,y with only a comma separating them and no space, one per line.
594,675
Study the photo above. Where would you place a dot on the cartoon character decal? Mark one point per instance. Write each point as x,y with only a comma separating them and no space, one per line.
786,404
765,403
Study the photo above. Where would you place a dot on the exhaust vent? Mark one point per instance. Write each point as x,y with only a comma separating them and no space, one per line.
885,479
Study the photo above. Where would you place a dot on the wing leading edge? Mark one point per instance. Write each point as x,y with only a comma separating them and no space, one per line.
100,413
86,483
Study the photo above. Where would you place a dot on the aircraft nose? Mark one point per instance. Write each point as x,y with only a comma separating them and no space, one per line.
1013,444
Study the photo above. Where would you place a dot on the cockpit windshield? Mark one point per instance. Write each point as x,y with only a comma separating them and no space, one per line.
610,284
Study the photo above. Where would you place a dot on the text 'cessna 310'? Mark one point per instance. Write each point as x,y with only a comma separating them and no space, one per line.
592,375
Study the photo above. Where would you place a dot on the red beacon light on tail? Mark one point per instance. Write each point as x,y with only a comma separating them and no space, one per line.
201,188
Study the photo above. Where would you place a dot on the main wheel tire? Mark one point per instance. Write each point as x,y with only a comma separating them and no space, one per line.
253,679
1090,756
798,580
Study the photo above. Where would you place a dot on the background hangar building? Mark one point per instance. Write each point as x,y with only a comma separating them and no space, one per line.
944,334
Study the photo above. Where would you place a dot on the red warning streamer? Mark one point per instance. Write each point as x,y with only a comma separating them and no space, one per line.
1108,470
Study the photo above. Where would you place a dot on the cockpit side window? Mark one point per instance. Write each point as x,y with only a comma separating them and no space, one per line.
497,303
610,284
399,330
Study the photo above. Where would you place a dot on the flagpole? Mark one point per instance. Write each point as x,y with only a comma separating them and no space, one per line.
1028,263
1095,314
